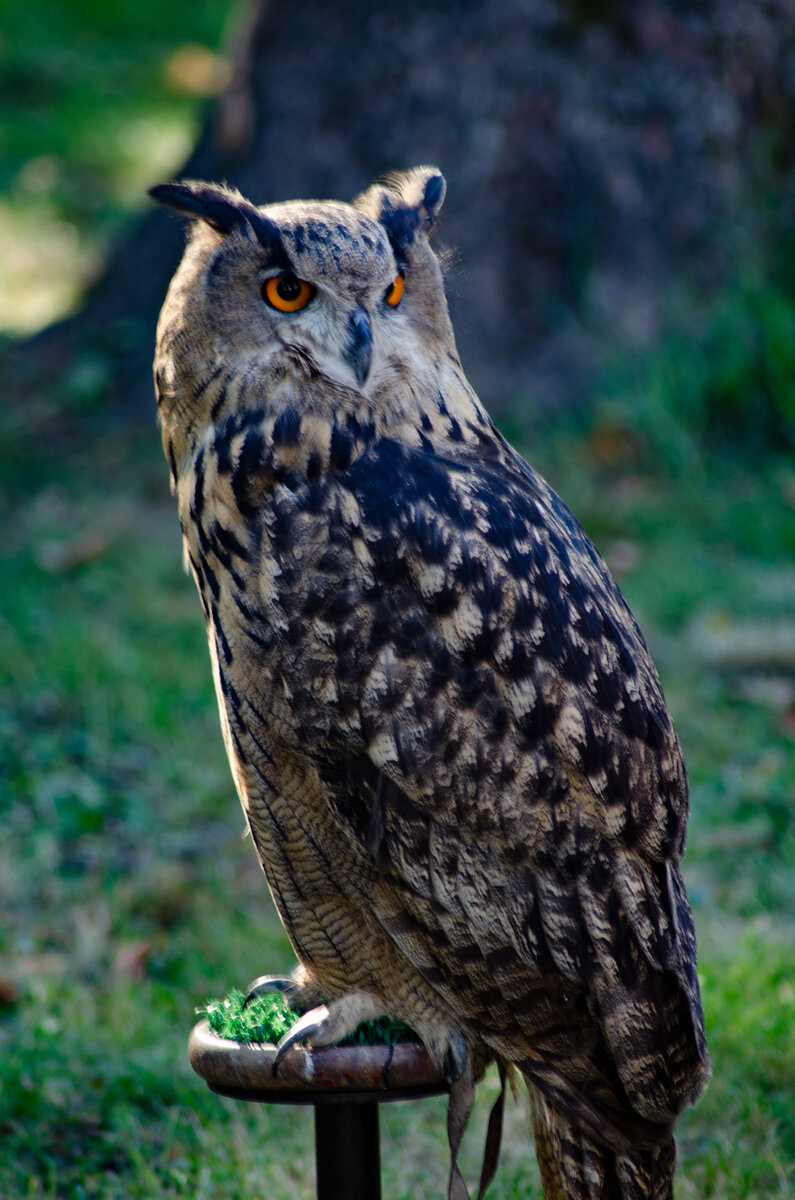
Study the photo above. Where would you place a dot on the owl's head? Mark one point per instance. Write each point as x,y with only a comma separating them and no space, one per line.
300,303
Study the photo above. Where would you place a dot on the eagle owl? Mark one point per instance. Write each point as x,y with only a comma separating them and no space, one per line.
446,731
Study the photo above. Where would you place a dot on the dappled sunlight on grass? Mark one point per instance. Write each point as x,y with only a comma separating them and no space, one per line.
98,102
44,266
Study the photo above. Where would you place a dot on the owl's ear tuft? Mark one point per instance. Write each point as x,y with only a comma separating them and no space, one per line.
405,202
433,196
421,190
221,208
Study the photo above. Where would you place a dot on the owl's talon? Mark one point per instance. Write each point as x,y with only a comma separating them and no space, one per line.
264,984
305,1028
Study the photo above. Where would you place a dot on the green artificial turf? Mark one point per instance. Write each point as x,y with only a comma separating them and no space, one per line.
268,1017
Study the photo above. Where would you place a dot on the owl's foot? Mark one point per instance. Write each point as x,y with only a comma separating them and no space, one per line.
325,1022
298,988
330,1023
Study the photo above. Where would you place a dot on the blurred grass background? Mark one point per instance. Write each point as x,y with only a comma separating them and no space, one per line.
127,893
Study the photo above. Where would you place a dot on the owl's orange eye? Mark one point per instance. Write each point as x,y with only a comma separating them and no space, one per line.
286,293
394,293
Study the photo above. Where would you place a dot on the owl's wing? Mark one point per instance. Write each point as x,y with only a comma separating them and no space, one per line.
518,781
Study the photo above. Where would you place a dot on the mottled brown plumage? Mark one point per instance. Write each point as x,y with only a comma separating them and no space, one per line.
447,734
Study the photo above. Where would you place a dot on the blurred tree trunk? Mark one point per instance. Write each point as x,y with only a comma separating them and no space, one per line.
593,152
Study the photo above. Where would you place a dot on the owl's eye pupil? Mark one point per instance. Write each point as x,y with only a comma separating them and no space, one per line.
288,288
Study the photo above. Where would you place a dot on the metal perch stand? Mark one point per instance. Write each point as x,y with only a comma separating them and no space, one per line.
344,1083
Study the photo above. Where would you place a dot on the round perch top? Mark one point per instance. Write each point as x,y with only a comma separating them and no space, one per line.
327,1075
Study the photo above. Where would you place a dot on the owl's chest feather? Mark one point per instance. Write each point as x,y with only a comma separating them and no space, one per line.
279,587
441,617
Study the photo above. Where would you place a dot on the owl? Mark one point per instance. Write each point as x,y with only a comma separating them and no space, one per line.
447,734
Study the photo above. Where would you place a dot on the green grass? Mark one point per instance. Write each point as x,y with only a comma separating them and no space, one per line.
129,894
127,891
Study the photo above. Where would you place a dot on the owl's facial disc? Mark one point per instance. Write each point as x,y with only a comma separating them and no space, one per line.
341,281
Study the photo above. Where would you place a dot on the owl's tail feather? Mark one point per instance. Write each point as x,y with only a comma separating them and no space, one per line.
462,1095
573,1167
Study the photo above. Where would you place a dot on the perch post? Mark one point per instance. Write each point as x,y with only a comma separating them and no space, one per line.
345,1084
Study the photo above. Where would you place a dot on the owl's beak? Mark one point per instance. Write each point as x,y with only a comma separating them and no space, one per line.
358,351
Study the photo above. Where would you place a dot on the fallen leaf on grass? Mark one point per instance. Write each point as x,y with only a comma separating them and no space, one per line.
769,691
9,993
57,557
132,958
745,645
622,556
32,966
